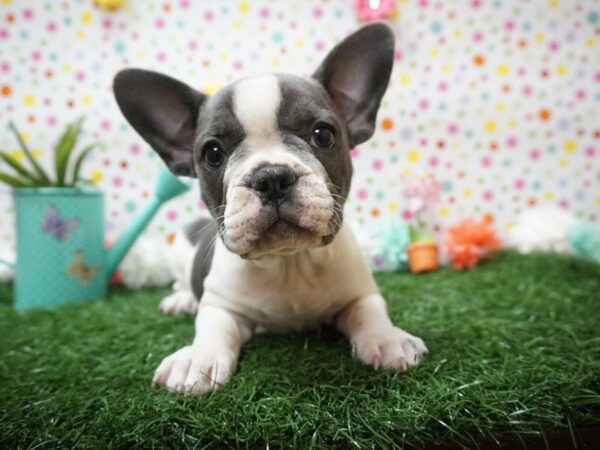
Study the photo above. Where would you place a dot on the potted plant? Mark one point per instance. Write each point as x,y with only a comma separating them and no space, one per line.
421,193
59,222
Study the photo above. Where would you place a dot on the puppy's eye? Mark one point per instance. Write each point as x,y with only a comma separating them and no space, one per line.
323,136
213,154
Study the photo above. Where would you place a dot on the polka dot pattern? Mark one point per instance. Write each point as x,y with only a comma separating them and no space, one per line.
498,99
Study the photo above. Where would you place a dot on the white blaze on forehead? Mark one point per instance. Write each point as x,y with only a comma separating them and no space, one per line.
255,104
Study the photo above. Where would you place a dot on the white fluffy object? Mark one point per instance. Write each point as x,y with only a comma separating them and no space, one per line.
152,262
6,271
545,229
181,256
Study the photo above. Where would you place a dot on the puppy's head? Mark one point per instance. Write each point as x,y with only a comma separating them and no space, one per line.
271,152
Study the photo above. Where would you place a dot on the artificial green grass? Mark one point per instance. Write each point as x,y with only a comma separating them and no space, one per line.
514,351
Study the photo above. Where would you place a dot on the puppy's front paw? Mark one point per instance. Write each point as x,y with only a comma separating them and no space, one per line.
180,302
193,370
391,348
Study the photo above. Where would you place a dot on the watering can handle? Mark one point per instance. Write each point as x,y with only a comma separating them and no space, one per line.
118,251
168,186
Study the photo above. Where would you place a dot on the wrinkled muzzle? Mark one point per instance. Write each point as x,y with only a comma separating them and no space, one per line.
278,208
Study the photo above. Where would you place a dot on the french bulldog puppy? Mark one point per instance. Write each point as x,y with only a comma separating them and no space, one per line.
272,157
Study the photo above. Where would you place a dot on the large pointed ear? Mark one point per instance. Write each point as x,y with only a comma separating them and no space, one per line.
164,112
356,74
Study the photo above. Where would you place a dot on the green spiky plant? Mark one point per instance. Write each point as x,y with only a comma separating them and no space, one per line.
418,233
66,175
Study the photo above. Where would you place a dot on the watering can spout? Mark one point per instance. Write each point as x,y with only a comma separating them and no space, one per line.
167,187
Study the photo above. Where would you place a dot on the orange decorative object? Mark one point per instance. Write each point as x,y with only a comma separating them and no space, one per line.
469,241
422,256
116,279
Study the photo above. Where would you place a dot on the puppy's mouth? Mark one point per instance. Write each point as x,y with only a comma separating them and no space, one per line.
257,230
282,227
275,230
284,232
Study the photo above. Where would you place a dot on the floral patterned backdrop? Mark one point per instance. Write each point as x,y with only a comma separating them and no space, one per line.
498,99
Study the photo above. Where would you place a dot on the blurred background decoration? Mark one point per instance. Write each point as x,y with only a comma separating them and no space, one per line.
498,100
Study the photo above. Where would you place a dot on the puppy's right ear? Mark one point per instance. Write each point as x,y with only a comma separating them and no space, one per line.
164,112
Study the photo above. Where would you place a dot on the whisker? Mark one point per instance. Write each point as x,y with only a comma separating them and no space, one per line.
343,199
210,250
217,218
198,232
214,210
329,183
337,216
210,247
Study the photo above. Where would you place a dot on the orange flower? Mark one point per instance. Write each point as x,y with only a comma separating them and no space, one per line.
468,241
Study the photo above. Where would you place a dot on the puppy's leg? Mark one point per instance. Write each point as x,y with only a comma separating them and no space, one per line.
179,302
191,261
375,339
211,360
182,301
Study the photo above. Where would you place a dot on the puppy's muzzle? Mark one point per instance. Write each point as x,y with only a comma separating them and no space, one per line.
277,208
273,184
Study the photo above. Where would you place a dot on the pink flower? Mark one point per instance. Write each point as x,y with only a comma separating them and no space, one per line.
371,10
535,154
452,128
421,192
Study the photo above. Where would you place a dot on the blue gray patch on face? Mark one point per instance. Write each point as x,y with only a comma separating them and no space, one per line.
217,123
305,107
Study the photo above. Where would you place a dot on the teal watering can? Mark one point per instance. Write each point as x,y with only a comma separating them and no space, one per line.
61,256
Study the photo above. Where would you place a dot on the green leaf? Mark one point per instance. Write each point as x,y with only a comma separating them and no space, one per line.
12,162
426,237
419,233
64,149
413,233
75,178
38,169
14,181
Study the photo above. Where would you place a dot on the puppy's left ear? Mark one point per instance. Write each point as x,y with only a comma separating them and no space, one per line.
164,111
356,74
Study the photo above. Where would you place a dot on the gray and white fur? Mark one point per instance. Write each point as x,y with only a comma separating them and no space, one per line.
272,157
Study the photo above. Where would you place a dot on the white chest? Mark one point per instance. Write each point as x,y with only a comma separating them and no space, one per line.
290,292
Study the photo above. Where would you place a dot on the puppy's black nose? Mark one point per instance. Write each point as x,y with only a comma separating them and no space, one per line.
273,182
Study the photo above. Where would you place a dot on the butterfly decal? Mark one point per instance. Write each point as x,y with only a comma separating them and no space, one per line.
56,226
79,269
